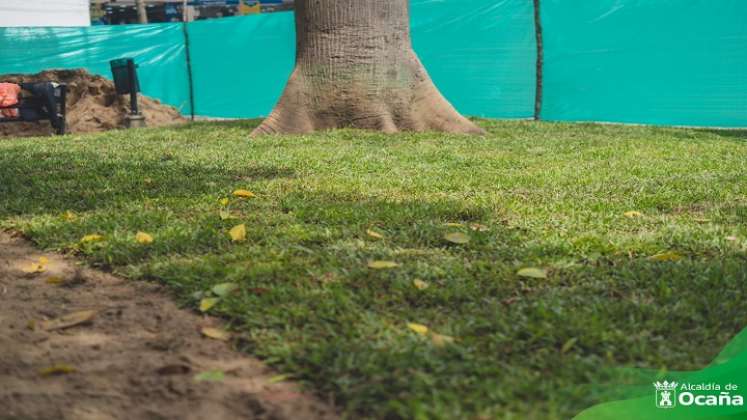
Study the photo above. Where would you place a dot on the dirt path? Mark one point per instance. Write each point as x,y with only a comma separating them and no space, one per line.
137,358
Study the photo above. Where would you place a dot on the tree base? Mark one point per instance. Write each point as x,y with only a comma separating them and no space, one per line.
307,106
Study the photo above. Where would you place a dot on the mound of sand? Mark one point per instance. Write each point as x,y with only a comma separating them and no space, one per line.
92,105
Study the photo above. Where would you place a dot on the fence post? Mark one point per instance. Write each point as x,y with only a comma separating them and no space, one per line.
189,71
540,60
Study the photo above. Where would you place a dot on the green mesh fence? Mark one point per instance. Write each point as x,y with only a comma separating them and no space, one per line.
678,62
158,49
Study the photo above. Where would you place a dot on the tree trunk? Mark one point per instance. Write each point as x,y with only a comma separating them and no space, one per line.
355,67
142,14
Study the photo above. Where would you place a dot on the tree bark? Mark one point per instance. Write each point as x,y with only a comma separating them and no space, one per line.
142,14
355,67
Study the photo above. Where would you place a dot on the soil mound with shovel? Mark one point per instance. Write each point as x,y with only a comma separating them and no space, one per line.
92,105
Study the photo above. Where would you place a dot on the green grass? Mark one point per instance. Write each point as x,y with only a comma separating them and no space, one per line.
552,196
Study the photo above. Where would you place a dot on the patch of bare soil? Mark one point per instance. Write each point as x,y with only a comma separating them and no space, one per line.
92,105
137,358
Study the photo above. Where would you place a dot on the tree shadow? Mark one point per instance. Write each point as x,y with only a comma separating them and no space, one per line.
35,182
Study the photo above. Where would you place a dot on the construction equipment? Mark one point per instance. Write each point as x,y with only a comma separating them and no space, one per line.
38,101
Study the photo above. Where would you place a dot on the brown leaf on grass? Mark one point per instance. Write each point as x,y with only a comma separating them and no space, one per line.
243,194
58,369
382,265
207,303
458,238
373,234
143,238
666,256
238,233
216,333
440,340
533,272
632,214
67,321
420,284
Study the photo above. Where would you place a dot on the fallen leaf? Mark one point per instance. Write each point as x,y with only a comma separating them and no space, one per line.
43,260
55,280
457,238
731,238
91,238
216,333
175,369
453,224
225,214
568,345
278,378
210,376
238,233
224,202
440,340
374,234
243,194
207,303
224,289
34,268
478,227
420,284
666,256
418,328
702,220
382,265
632,214
67,321
58,369
533,272
143,238
69,216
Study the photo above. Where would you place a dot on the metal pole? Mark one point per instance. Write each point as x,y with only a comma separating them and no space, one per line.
133,87
540,60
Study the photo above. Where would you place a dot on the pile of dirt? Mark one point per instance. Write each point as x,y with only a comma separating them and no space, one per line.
92,105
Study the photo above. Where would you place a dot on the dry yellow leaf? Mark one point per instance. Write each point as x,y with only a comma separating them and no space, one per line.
216,333
478,227
418,328
224,289
666,256
382,265
420,284
55,280
143,238
225,214
67,321
91,238
243,194
58,369
632,214
224,202
69,216
238,233
533,272
207,303
43,260
374,234
439,340
453,224
458,238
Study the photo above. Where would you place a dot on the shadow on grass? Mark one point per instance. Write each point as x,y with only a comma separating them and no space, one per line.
42,182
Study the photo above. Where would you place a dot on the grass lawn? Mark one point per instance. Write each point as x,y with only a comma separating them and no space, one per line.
550,196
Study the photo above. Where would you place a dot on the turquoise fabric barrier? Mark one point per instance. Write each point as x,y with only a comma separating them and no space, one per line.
158,50
480,53
672,62
240,64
